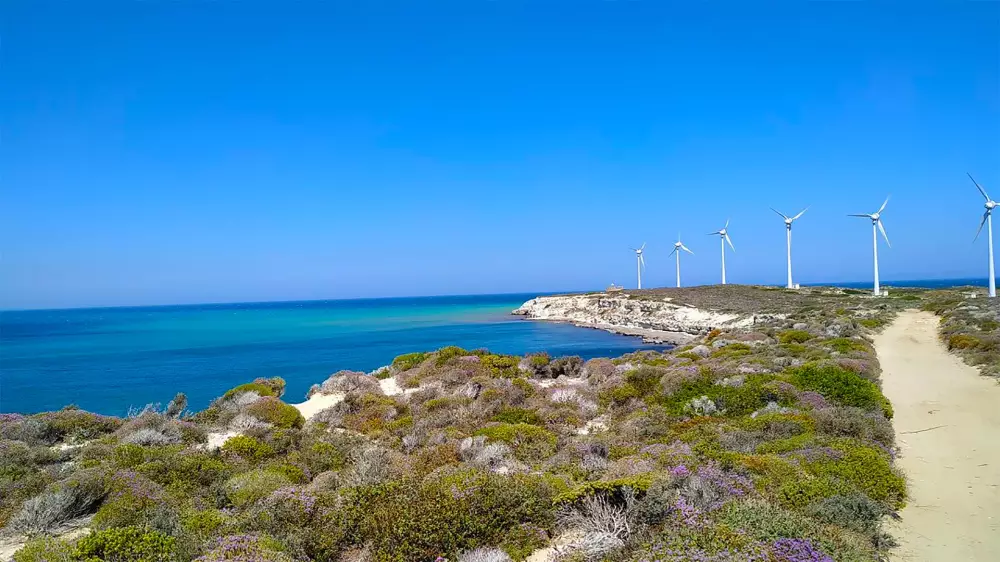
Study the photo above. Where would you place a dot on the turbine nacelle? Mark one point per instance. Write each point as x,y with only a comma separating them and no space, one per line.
789,220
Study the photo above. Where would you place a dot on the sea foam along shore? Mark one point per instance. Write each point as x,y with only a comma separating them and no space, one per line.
657,319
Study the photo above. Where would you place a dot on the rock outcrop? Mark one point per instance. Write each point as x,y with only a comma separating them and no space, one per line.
655,320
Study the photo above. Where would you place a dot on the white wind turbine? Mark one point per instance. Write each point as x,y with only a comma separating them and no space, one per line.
678,246
640,263
988,220
876,219
724,237
788,228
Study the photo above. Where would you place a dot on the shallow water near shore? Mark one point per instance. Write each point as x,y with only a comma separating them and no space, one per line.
108,359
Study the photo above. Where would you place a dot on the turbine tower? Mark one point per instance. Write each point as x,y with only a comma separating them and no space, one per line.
988,220
876,219
724,237
678,246
640,263
788,228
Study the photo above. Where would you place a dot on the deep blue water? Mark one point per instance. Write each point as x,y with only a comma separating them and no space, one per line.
107,359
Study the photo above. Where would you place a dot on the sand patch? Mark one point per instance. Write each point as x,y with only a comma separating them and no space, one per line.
317,403
947,420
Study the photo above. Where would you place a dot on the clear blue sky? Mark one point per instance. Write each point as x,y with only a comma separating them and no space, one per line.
169,152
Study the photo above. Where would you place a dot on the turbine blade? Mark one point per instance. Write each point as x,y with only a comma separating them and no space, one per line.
986,215
882,208
884,235
981,190
642,260
673,252
865,216
728,239
714,233
686,249
780,214
800,214
727,224
643,247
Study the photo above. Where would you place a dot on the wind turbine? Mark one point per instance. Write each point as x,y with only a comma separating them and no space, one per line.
678,246
640,263
724,237
876,219
988,220
788,228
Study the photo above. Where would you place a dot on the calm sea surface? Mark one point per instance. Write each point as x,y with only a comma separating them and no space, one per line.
107,359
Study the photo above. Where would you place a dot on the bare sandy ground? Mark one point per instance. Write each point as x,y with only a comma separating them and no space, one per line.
947,420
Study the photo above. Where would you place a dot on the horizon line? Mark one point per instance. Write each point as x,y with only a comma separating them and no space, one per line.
402,297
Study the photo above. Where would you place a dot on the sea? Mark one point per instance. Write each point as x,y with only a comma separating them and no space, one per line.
111,360
108,360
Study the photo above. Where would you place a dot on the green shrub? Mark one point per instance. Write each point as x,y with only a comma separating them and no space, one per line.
526,387
794,336
539,360
841,386
688,355
523,540
408,361
264,387
511,415
449,352
963,341
846,345
444,402
866,469
131,500
132,544
276,412
129,455
732,350
247,447
853,511
501,366
74,424
244,489
639,483
804,491
764,521
186,471
733,401
441,516
872,323
529,442
202,524
44,549
246,548
618,396
645,379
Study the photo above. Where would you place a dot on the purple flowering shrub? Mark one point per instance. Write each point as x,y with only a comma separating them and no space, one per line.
245,548
131,499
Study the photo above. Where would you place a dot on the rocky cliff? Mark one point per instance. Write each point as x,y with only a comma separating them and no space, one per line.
656,320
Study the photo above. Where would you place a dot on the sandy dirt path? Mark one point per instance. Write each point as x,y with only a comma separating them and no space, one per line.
947,420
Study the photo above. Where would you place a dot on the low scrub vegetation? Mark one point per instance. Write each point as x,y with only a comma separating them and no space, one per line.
970,327
767,444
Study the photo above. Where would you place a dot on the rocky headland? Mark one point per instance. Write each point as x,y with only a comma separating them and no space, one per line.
655,316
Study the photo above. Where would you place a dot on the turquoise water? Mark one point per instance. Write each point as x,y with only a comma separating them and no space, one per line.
108,359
